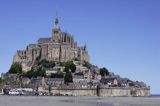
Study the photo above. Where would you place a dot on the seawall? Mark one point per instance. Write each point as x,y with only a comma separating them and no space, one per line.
102,91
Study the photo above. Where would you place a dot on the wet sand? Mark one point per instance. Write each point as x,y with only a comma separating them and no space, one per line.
77,101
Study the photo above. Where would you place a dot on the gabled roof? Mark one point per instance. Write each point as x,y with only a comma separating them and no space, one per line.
44,40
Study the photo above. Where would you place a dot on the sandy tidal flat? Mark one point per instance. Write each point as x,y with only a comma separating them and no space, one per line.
77,101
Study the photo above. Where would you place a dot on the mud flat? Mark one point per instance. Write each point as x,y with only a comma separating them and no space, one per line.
77,101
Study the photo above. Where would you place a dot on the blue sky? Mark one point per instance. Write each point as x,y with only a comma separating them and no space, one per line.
122,35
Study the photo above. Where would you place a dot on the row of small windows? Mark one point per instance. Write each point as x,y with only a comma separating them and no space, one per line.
23,57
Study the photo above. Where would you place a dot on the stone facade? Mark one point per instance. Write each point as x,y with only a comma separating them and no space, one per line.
61,47
103,92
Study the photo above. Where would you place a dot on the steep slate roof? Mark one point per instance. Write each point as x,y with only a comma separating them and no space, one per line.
44,40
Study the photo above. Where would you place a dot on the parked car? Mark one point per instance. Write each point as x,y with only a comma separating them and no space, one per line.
1,93
22,92
13,92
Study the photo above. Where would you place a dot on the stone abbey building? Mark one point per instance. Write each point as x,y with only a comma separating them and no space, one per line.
61,47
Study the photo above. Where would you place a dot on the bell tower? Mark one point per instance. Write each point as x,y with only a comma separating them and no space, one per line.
56,31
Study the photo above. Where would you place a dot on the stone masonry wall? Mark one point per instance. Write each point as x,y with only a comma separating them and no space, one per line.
102,92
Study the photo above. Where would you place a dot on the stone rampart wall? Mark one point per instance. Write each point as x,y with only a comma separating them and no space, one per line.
114,91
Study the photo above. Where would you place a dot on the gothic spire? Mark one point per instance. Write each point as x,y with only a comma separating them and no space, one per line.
56,25
56,19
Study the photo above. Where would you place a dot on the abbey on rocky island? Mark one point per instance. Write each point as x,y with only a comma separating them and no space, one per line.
61,47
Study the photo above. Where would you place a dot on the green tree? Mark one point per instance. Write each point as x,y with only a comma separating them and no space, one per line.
61,63
42,62
50,64
68,77
46,64
70,65
15,68
40,72
0,80
57,75
35,73
29,74
104,71
87,64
